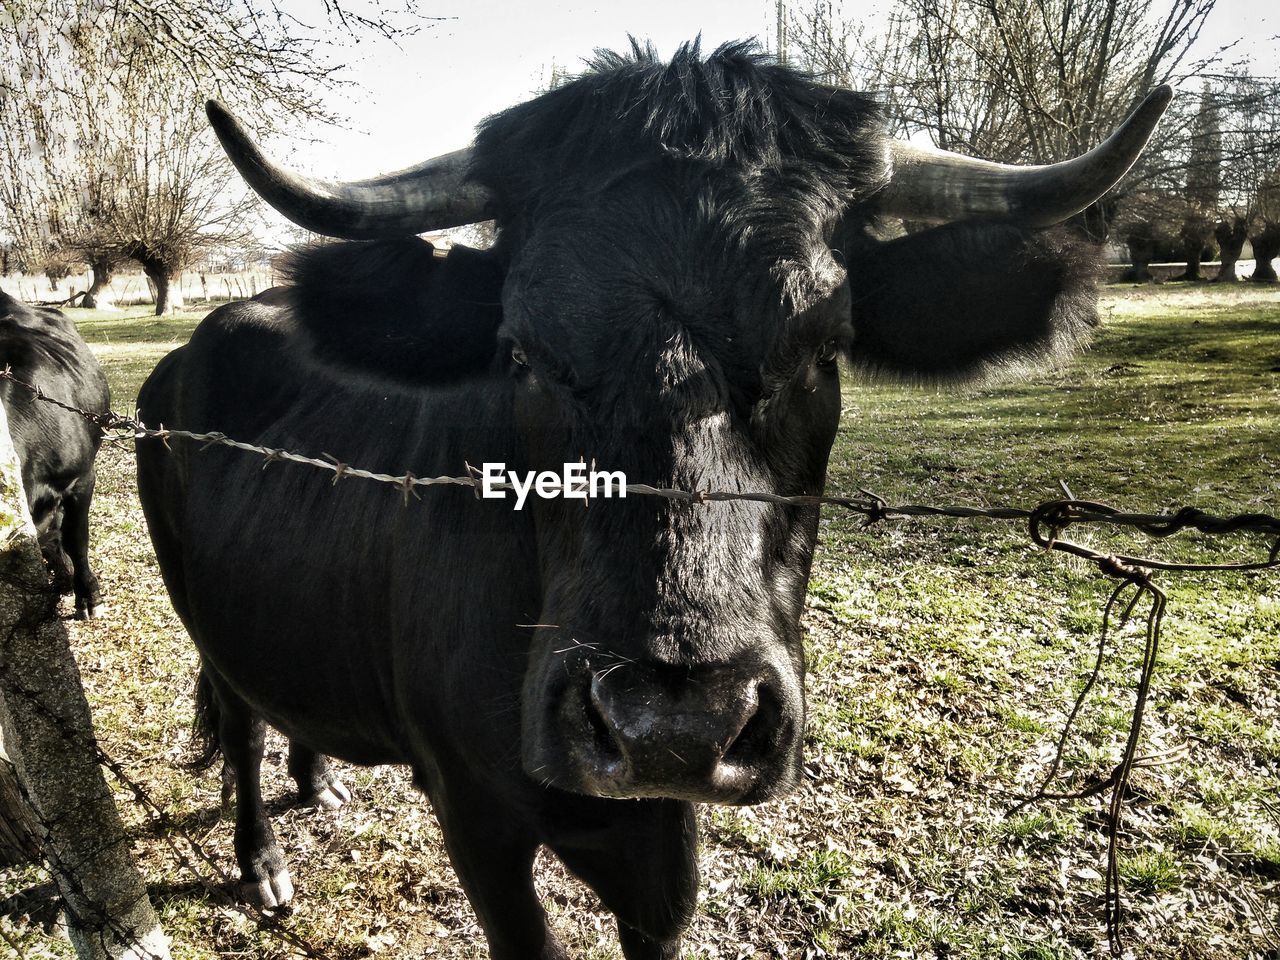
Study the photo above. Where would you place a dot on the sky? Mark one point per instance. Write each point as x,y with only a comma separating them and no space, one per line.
1253,26
423,96
427,96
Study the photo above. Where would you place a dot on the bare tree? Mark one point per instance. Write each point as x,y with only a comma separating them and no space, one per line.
1203,184
171,196
1265,236
1250,177
19,831
1026,80
1208,181
1019,81
104,153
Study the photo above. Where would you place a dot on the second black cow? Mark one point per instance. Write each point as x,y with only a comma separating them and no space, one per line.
56,447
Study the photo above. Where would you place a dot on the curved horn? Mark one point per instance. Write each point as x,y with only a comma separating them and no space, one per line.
429,196
932,184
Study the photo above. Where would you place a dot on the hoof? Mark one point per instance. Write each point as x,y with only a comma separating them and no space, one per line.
329,797
268,894
95,612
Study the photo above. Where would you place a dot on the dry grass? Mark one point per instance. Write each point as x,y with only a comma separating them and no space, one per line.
943,657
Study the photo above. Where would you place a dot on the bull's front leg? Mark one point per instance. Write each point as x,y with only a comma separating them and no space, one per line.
492,853
642,862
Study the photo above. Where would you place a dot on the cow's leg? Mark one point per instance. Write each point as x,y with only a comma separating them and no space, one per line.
643,864
318,786
493,857
61,573
75,541
264,878
48,521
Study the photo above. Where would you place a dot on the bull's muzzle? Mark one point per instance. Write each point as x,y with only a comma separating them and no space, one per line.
720,734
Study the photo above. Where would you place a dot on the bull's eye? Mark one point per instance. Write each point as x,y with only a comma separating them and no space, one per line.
827,353
518,356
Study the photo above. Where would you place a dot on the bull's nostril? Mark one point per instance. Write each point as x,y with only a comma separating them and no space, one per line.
606,743
755,738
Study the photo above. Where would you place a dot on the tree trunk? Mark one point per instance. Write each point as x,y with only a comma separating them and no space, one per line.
1195,235
1230,235
98,295
1192,273
49,737
165,287
1266,247
1142,248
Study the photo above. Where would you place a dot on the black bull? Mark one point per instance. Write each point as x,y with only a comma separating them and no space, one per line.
56,448
684,252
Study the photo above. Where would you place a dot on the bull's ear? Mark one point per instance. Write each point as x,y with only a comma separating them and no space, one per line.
398,309
968,300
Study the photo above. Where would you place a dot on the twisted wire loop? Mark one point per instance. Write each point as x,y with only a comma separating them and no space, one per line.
1046,524
1046,520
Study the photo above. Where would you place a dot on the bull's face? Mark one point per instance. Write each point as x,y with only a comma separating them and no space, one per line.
670,661
673,309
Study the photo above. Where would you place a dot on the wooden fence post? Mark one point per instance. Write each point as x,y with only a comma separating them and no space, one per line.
19,832
49,737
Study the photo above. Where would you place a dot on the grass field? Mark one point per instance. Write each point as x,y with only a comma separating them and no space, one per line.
944,657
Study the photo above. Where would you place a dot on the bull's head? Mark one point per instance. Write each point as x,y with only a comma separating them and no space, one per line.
682,261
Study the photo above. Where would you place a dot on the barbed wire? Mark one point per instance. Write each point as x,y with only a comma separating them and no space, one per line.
1046,520
1046,523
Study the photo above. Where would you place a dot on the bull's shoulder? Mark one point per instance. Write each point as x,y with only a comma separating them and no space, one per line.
352,315
239,364
398,308
265,316
242,339
33,318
